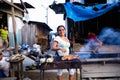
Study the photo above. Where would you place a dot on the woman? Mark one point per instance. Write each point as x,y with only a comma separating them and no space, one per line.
4,36
61,44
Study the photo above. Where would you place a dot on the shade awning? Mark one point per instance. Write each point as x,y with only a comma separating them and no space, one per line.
82,13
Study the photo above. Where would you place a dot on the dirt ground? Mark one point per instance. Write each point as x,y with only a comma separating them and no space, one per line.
35,75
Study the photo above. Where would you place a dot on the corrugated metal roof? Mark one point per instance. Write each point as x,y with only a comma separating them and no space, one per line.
40,23
26,4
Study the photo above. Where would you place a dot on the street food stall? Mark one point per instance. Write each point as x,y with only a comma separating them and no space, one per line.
104,65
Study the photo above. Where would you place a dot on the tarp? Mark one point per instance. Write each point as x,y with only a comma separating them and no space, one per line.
82,13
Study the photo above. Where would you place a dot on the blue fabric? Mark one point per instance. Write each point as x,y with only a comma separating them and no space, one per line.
82,13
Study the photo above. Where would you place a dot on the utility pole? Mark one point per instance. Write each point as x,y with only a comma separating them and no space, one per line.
46,8
46,15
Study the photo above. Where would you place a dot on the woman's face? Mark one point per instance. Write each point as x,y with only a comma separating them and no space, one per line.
5,28
61,31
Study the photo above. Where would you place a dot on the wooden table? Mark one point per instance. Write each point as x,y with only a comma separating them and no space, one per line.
16,65
59,64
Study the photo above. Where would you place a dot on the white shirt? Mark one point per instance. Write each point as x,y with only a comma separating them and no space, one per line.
62,44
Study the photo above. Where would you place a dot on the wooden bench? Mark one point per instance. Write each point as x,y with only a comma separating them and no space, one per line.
101,68
9,78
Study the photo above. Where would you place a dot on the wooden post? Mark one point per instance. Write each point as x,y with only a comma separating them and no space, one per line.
14,27
24,6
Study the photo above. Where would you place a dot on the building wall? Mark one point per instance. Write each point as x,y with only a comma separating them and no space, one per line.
19,24
42,37
8,11
35,34
28,34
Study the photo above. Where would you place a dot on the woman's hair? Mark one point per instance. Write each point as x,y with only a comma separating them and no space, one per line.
59,27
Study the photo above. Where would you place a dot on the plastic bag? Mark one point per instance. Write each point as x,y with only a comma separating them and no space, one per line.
4,65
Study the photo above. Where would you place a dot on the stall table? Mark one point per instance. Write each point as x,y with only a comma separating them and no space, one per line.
60,64
16,65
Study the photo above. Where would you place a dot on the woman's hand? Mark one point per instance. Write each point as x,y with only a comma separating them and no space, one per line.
63,49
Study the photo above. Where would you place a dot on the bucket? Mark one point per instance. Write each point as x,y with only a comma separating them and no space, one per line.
1,73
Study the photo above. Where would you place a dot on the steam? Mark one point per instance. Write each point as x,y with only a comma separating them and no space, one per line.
110,36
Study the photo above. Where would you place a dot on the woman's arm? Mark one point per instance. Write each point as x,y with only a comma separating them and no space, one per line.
55,47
